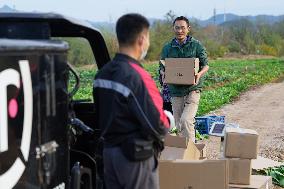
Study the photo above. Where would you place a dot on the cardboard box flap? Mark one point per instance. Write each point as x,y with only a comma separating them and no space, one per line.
176,141
177,147
189,153
192,152
256,182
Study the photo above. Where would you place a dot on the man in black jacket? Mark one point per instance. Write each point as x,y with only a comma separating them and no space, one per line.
129,111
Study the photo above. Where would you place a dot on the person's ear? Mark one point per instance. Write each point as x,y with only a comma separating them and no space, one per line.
188,29
140,40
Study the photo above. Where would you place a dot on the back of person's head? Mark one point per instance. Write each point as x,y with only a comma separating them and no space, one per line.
181,18
128,28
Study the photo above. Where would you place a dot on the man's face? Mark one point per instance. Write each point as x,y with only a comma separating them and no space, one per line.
146,39
181,29
145,43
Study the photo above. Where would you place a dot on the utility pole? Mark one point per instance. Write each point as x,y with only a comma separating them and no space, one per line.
224,11
214,16
224,19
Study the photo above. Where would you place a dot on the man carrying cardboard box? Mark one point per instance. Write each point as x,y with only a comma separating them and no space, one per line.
185,98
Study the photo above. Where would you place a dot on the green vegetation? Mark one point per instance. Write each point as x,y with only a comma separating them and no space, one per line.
225,80
277,174
241,37
86,83
80,52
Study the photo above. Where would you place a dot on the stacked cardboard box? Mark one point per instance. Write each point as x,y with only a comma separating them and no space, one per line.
240,146
194,174
180,166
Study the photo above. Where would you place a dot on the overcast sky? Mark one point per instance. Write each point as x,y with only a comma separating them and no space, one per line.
110,10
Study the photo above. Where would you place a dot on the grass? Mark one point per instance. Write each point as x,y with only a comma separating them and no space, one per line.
225,80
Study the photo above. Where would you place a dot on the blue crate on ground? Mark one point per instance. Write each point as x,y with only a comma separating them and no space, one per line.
214,118
203,124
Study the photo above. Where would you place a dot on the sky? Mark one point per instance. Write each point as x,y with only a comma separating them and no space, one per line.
110,10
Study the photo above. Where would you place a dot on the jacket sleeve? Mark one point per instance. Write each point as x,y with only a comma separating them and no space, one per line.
164,53
202,55
146,104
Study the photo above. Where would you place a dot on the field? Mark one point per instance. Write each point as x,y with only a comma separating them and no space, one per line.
225,81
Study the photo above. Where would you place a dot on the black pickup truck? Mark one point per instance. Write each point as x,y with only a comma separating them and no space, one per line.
47,139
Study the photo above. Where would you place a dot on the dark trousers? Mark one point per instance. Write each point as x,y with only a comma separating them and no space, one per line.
120,173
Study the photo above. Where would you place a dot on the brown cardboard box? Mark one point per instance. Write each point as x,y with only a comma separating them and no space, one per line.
198,174
239,171
176,141
241,143
256,182
177,147
181,70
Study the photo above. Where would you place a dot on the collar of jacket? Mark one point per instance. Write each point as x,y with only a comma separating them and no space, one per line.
125,58
174,42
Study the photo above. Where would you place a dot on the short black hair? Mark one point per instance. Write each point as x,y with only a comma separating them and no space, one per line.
181,18
129,26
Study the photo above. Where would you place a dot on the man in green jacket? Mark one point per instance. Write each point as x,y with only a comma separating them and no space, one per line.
185,98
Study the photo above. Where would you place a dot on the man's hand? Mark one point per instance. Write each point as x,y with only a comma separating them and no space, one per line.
197,77
200,74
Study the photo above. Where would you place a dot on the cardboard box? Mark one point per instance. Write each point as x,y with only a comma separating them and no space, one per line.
239,171
241,143
177,147
256,182
198,174
181,70
176,141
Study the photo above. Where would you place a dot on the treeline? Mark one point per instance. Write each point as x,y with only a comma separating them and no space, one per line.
235,37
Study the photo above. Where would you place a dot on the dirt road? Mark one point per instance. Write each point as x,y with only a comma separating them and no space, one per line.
260,109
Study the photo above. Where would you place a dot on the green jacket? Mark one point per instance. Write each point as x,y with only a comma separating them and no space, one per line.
192,48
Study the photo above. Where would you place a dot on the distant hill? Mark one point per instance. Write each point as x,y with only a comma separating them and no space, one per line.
6,8
220,19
